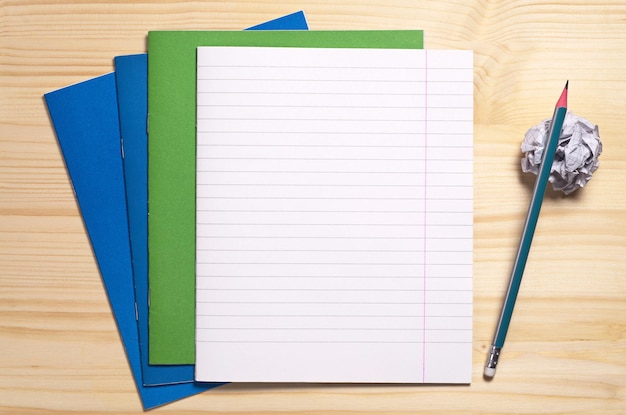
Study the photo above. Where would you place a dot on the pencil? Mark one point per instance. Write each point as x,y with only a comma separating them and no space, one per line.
527,233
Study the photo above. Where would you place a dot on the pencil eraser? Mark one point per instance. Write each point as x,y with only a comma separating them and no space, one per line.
490,372
576,155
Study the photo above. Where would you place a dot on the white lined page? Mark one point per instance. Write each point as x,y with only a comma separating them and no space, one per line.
334,215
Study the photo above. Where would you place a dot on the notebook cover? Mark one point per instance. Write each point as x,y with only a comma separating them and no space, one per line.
131,73
320,195
171,169
86,122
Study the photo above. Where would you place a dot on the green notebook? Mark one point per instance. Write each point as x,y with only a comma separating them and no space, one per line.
171,166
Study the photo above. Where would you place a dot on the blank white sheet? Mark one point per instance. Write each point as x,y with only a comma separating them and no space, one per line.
334,215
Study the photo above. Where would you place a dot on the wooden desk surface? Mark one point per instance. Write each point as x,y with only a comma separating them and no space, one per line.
566,350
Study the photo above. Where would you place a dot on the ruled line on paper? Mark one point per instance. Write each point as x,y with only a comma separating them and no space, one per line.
316,222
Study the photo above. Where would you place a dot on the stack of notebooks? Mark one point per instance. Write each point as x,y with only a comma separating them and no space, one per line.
280,205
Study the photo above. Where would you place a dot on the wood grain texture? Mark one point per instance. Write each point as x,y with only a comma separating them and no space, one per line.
566,350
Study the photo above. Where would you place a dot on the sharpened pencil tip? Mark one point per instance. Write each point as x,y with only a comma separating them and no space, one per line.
562,102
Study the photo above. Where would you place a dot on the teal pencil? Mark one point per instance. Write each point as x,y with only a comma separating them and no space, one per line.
556,127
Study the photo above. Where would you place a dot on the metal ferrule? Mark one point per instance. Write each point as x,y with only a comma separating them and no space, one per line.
494,355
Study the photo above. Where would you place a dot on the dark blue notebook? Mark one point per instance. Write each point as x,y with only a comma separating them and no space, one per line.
86,122
131,74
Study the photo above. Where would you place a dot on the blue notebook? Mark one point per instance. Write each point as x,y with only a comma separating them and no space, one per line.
131,73
86,122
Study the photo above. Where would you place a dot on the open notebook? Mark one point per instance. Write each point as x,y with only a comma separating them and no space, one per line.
334,215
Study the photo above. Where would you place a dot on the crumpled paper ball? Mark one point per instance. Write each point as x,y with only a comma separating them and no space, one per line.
576,156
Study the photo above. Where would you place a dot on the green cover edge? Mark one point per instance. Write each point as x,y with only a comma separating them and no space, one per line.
172,144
